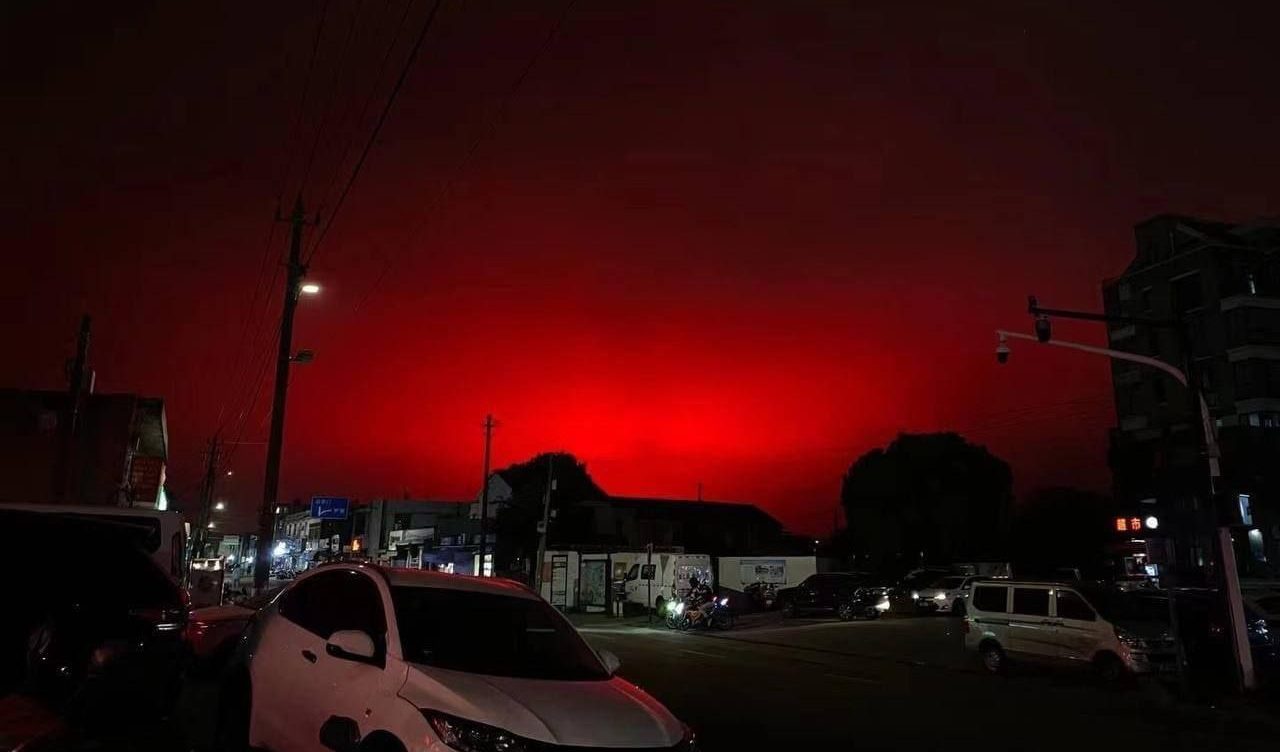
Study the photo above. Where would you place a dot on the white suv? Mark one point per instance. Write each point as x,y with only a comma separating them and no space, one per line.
1112,631
357,657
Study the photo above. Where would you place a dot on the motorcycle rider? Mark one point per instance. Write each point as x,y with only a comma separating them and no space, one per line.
700,600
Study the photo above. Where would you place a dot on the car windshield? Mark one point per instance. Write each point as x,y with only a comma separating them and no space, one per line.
492,634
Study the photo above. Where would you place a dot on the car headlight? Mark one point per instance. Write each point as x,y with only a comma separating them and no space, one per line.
679,608
724,601
915,596
940,597
1133,642
883,605
469,736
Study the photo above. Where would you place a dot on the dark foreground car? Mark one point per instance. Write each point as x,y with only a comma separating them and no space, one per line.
94,637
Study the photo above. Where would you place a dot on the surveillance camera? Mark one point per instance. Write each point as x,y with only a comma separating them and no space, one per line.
1044,330
1002,353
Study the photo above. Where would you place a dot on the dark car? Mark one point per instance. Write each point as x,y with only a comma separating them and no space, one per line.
824,592
1204,628
94,626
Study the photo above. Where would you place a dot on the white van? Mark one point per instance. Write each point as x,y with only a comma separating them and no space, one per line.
160,534
671,576
1057,623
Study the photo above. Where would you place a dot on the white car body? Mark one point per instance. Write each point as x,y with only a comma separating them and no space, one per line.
1055,623
301,680
943,595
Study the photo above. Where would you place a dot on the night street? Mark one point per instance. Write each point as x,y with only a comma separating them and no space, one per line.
899,684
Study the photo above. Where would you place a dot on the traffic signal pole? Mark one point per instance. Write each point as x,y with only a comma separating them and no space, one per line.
1189,378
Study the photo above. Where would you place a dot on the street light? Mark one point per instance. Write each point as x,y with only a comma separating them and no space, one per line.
309,288
221,505
210,525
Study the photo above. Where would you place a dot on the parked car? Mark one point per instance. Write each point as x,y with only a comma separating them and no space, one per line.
99,641
402,659
820,593
1266,601
945,595
211,635
1113,632
1204,628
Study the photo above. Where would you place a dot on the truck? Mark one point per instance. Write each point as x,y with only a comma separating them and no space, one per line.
739,573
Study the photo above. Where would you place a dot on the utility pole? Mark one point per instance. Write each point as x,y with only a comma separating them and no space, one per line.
284,355
76,371
544,526
489,423
206,498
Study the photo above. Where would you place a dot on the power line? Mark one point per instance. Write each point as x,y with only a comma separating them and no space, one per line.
259,288
333,93
368,101
377,128
443,194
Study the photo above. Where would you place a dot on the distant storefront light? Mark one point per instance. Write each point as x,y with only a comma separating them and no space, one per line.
1152,522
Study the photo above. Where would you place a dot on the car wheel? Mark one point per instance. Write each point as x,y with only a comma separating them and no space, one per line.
957,608
846,611
1110,668
788,610
993,658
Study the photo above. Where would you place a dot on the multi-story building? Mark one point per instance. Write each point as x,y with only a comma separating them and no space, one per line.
1222,281
107,449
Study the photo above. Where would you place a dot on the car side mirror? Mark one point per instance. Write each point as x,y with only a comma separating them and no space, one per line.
610,661
340,734
351,645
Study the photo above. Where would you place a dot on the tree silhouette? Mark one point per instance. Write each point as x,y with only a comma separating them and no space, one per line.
927,499
516,525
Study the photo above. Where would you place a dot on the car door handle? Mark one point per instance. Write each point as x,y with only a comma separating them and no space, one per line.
310,656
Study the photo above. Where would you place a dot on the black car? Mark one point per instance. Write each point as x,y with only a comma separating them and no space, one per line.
839,593
93,627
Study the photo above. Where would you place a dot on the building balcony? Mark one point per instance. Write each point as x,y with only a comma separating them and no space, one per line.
1249,301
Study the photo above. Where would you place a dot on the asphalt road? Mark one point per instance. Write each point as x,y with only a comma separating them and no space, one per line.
897,684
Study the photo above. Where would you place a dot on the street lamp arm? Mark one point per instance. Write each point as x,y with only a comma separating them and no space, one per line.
1146,360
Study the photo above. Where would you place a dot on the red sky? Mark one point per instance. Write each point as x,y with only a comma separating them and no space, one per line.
736,243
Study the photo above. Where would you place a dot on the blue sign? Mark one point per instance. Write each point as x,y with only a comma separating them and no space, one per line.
330,507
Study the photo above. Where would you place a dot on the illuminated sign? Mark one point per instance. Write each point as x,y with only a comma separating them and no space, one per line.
1128,524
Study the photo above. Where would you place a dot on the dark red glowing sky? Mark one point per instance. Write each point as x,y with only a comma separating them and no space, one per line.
737,243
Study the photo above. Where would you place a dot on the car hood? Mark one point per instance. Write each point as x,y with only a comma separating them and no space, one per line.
611,713
1145,629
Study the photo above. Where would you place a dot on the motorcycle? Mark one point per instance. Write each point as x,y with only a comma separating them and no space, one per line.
720,616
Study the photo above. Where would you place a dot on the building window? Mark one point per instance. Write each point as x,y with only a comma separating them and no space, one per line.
1187,293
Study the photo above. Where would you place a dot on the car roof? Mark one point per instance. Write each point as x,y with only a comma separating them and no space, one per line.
405,577
1028,583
